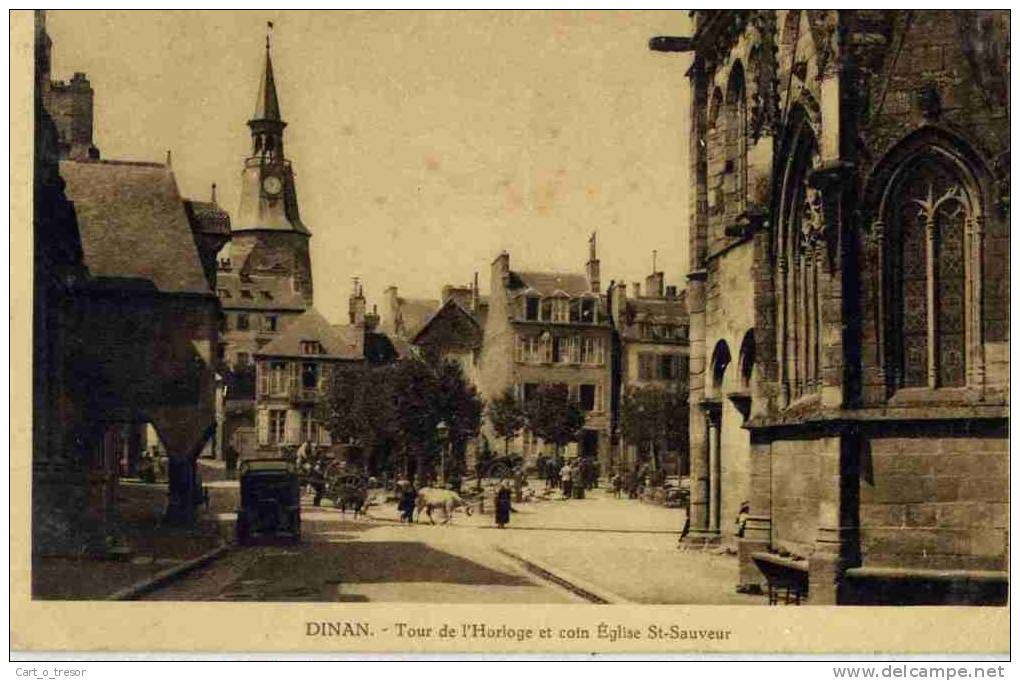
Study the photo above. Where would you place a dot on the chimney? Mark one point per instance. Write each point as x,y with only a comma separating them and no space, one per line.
213,197
475,298
372,320
392,308
356,304
653,284
617,302
501,270
671,291
637,289
592,268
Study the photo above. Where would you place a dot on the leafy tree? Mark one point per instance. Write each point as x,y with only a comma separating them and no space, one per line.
553,416
459,405
507,417
359,410
651,416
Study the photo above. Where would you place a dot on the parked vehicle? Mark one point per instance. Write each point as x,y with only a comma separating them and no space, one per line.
270,501
348,489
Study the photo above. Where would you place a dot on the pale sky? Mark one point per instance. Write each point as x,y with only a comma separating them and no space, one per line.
423,142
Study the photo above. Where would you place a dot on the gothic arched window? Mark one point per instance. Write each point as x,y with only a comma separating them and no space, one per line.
716,155
800,273
736,142
926,218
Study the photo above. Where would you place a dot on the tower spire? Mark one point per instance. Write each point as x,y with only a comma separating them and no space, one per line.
267,105
266,123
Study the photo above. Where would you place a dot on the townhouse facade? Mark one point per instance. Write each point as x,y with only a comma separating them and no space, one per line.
292,375
651,350
551,328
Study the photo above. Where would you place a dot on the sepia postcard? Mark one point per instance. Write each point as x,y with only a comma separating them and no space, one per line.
511,332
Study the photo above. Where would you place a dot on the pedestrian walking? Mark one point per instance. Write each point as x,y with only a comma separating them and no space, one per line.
632,484
503,505
406,501
578,476
566,478
617,483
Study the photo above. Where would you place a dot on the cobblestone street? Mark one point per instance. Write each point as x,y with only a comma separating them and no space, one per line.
554,551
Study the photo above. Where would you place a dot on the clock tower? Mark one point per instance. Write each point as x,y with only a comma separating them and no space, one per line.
267,237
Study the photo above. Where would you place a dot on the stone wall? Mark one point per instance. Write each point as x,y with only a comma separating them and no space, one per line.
939,501
795,495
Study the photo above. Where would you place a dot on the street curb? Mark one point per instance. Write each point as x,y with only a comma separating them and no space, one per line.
577,586
163,578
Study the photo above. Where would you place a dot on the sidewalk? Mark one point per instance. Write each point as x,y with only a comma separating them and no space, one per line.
623,546
153,547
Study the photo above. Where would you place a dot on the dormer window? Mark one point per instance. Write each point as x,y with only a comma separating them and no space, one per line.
561,310
246,294
587,311
311,348
531,308
265,295
547,310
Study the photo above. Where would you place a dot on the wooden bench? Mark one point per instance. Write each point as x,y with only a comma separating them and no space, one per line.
786,577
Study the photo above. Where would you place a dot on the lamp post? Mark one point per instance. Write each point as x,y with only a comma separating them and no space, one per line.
443,435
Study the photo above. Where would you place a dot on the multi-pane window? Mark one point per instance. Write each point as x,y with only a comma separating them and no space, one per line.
575,311
277,426
311,348
586,396
269,323
561,310
530,391
309,426
242,322
547,309
278,378
243,359
588,311
929,218
669,366
574,350
593,351
530,349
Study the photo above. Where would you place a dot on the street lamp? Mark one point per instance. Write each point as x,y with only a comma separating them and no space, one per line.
443,435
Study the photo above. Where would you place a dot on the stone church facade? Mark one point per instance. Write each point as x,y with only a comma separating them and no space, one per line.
854,391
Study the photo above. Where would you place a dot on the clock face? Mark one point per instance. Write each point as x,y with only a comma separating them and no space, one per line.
272,185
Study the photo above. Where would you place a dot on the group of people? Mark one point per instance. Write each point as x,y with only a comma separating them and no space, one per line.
407,501
630,481
571,477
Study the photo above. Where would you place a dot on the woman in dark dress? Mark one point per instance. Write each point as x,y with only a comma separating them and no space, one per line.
408,496
503,505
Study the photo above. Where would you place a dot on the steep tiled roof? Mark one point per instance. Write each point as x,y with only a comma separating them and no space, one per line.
208,218
548,283
414,312
134,228
656,311
452,311
337,341
257,292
